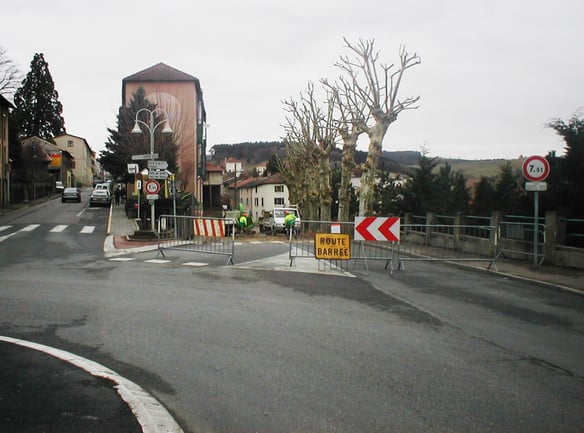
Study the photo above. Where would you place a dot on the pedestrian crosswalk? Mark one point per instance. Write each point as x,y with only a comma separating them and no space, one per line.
7,231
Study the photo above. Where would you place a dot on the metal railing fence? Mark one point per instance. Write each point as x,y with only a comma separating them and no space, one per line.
197,234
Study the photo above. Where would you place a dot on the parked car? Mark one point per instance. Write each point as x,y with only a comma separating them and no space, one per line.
59,186
105,186
71,194
100,197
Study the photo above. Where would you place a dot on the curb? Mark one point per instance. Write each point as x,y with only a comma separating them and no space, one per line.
149,412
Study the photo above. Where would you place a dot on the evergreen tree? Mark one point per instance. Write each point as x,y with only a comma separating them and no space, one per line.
122,144
38,110
508,193
570,182
484,198
419,194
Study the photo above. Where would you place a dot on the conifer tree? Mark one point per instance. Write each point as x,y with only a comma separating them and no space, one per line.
122,144
38,110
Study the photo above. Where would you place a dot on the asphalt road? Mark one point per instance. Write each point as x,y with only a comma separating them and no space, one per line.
248,348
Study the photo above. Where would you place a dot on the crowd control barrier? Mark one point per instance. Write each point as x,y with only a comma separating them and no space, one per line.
418,242
197,234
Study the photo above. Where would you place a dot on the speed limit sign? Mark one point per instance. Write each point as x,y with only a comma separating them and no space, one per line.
151,186
535,168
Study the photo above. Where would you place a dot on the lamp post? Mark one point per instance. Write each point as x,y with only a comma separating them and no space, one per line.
151,126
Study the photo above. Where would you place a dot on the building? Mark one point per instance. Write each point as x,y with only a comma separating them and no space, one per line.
213,188
44,158
84,168
180,95
259,194
5,107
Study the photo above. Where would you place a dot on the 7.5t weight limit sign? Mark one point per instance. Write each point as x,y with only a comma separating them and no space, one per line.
535,168
151,186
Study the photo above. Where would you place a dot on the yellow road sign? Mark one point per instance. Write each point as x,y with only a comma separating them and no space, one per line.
332,246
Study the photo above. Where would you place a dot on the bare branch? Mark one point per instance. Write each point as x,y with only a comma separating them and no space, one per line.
10,76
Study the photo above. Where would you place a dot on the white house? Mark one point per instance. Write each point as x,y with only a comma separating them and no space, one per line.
261,194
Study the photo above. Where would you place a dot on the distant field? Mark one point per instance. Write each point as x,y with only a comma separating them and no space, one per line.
478,168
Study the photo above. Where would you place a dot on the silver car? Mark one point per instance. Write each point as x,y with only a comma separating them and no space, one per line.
100,197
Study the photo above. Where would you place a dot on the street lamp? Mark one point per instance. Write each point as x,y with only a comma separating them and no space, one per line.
151,127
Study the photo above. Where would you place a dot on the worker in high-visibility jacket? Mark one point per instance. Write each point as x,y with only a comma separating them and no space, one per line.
289,220
243,222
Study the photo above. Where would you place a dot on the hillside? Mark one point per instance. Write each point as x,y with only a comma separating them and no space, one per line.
252,154
479,167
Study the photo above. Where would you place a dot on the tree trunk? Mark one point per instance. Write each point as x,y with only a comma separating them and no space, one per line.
376,134
347,166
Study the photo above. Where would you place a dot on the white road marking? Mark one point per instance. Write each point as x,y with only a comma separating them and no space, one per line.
58,228
88,229
122,259
2,228
195,264
149,412
29,228
157,261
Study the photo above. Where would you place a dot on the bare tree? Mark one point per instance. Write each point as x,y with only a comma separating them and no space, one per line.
377,86
10,76
310,139
351,119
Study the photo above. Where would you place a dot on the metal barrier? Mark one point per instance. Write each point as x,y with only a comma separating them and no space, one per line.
302,246
445,242
516,240
418,242
197,234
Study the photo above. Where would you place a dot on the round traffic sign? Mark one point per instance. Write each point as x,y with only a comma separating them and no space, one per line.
151,186
535,168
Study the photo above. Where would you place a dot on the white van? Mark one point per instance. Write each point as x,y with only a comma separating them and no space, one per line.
274,223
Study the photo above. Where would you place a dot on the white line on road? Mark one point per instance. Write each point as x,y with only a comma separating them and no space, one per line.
88,229
2,228
29,228
58,228
150,413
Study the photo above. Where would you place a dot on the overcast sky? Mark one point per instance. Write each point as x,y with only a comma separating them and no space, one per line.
493,72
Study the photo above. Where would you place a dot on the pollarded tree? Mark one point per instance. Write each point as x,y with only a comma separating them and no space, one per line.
351,119
378,86
122,144
310,139
38,110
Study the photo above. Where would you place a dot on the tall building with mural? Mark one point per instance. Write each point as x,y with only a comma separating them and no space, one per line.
180,95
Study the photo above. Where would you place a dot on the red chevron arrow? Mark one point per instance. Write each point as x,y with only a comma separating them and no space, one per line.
377,229
363,226
385,229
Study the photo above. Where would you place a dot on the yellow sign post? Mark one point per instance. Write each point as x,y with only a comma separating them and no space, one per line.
332,246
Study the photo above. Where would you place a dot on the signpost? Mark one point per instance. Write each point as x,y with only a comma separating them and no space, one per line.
157,165
144,156
535,169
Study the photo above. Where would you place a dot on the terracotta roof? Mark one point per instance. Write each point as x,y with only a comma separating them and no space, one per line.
160,73
256,181
210,166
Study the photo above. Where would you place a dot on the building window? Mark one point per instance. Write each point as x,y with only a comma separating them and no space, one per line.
278,188
256,201
279,201
70,143
262,202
